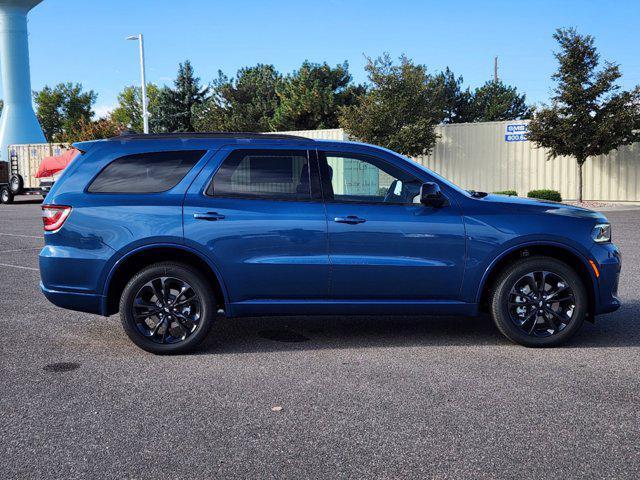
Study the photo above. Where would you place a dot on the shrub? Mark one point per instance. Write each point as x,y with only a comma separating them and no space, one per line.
552,195
510,193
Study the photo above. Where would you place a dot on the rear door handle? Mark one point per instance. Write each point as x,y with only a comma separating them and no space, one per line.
209,216
350,219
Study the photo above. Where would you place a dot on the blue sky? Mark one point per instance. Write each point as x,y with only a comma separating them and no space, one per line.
83,41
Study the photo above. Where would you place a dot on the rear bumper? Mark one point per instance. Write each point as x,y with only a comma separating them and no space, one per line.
71,276
80,302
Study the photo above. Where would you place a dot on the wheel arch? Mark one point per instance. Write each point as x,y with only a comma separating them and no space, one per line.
561,252
137,259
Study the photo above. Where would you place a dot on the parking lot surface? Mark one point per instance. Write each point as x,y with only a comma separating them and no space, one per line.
360,397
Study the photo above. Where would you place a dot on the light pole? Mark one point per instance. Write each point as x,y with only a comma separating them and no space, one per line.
145,113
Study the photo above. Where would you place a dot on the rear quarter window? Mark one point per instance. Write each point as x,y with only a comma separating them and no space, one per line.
145,172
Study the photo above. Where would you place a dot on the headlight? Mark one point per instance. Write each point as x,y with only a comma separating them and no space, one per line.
601,233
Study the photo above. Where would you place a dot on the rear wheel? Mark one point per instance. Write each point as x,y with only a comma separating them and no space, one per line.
16,184
5,195
167,308
539,302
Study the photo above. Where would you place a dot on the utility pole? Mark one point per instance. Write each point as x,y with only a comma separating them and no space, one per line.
495,69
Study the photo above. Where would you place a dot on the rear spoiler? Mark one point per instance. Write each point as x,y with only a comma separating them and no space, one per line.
84,147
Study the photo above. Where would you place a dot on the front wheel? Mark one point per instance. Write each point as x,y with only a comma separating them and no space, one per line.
167,308
539,302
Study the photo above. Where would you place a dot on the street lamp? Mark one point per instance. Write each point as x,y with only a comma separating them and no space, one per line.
145,113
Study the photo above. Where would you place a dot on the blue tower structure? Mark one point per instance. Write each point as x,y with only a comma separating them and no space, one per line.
18,123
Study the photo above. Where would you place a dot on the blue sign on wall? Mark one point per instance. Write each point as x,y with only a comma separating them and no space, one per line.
516,132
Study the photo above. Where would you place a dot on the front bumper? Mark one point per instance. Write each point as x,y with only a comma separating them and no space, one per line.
609,262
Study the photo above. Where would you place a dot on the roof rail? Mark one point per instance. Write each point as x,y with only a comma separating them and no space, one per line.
129,135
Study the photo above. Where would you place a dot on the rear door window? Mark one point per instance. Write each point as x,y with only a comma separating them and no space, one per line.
273,174
145,172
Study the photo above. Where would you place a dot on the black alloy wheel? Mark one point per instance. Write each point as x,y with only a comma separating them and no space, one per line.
168,308
539,301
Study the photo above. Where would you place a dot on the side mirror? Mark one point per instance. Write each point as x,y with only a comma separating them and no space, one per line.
431,195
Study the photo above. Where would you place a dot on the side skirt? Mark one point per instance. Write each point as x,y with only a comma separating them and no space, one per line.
351,307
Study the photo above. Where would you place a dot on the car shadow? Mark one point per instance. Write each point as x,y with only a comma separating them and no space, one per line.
618,329
271,334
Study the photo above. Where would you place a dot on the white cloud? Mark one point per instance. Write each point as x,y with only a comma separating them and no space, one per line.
102,110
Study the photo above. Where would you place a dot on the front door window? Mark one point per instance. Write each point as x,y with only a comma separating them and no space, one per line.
363,179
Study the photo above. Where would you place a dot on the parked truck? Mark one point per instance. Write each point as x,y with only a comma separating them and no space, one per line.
18,175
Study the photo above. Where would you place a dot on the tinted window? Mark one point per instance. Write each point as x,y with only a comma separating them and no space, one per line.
259,173
365,179
145,172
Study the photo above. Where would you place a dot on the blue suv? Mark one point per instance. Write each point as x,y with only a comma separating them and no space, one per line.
170,230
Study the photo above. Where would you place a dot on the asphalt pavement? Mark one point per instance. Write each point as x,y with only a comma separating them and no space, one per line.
312,397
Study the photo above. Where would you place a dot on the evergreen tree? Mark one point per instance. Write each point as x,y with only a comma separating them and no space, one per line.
495,101
246,103
312,96
176,105
454,103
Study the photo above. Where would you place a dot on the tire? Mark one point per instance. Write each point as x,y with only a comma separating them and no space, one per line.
520,284
173,277
6,196
16,184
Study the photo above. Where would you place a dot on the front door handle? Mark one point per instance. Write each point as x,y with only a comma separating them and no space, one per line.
209,216
350,219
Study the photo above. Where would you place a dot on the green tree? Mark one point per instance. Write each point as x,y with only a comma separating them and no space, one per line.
448,96
176,105
1,106
129,109
60,109
94,130
589,113
246,103
495,101
398,111
49,111
312,96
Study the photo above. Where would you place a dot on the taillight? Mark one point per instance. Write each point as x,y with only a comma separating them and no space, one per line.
53,216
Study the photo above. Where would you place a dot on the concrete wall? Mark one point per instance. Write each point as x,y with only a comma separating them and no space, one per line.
494,156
